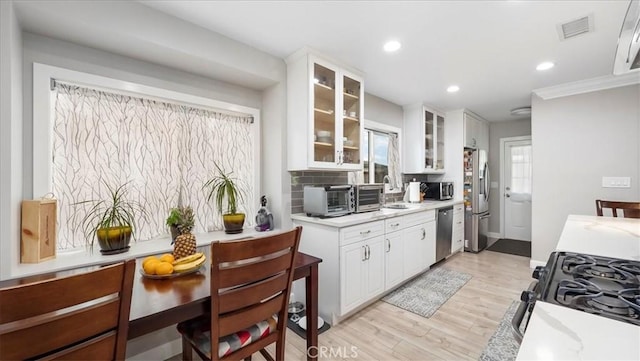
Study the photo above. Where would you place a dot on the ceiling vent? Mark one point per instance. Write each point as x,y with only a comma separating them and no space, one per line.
576,27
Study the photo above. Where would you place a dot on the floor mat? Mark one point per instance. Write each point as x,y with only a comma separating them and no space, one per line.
511,246
502,346
425,294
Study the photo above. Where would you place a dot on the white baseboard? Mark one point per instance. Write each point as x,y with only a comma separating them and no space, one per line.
495,235
533,263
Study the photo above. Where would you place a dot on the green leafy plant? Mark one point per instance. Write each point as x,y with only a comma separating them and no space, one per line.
223,188
115,211
182,218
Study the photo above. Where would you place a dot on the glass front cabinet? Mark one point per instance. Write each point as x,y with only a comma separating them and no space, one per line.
324,112
424,140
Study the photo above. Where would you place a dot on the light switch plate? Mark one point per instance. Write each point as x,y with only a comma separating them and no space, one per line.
616,182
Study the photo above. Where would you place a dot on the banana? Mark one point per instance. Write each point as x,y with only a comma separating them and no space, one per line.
188,259
184,267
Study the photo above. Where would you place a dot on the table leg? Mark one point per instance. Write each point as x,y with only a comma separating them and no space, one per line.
311,288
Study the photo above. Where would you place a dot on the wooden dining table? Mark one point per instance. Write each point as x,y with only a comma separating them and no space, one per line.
160,303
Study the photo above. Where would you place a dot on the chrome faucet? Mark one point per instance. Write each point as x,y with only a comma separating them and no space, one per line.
386,177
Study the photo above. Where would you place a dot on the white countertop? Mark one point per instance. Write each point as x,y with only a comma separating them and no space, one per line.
358,218
602,236
559,333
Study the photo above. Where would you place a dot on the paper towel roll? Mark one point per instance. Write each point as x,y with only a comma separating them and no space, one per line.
414,192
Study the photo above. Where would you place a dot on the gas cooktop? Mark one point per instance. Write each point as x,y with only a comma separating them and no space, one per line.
604,286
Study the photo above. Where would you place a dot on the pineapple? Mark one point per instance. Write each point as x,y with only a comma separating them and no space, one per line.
185,244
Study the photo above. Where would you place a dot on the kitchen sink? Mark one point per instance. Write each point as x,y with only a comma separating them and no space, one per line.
396,206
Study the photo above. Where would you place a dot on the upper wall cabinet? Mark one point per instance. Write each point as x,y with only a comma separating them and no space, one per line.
423,140
476,132
324,115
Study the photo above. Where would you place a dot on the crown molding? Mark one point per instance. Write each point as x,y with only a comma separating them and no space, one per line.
588,85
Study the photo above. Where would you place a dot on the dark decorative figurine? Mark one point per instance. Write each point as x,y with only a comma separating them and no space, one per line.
264,218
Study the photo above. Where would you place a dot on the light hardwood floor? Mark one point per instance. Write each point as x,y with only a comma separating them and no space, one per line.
459,330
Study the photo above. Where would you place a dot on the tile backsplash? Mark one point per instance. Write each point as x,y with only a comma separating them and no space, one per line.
299,179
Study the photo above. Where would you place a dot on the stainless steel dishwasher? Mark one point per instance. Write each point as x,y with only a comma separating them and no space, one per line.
443,232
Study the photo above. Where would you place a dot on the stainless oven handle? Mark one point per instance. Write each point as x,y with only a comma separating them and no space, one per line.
516,321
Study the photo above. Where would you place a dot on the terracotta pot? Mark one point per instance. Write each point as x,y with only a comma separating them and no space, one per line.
233,223
114,240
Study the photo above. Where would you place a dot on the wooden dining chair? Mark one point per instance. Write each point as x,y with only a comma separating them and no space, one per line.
629,209
82,316
250,286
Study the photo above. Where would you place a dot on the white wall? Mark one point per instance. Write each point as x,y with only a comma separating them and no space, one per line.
382,111
10,136
130,41
497,131
576,141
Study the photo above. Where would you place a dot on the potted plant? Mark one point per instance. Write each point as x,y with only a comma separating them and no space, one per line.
224,188
111,221
173,221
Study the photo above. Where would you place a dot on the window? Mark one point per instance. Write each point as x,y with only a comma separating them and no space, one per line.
381,156
375,152
163,143
521,169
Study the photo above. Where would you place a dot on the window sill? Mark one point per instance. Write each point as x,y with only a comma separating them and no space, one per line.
83,258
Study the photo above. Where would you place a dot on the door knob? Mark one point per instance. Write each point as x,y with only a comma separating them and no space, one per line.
507,195
508,188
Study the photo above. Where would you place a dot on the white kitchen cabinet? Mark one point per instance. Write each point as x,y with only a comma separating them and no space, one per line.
363,261
324,114
423,145
419,242
361,272
393,259
476,132
457,234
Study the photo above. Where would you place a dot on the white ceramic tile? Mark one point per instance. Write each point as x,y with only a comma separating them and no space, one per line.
560,333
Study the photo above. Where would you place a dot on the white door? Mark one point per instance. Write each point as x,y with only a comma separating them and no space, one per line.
414,248
516,195
375,266
352,275
394,259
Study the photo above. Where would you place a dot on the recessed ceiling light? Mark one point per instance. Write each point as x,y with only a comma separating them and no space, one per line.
545,66
392,46
453,89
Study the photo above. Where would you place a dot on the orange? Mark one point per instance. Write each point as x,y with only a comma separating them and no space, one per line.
164,268
150,266
150,258
167,257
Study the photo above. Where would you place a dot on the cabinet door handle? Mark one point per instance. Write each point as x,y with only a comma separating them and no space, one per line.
368,252
424,234
388,245
395,225
365,233
364,253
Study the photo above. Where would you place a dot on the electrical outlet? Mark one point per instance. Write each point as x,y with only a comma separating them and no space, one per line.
616,182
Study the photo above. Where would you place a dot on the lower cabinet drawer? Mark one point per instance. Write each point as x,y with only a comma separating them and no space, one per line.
359,232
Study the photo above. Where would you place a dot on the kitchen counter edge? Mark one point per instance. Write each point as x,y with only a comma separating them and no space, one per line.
384,213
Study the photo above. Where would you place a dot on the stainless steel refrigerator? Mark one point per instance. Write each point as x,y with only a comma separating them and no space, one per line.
476,199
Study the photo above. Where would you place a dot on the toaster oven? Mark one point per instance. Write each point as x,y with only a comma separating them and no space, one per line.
368,197
328,201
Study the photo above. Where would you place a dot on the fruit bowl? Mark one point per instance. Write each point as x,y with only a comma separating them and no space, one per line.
170,275
166,267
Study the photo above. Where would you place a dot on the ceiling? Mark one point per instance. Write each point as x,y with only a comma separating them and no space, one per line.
490,49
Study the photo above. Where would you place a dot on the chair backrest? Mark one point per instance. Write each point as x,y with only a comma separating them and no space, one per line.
83,316
629,209
250,282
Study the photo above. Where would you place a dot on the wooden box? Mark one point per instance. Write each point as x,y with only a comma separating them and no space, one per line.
38,240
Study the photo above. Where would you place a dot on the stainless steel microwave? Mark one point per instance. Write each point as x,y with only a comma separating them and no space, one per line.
329,201
368,197
439,190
